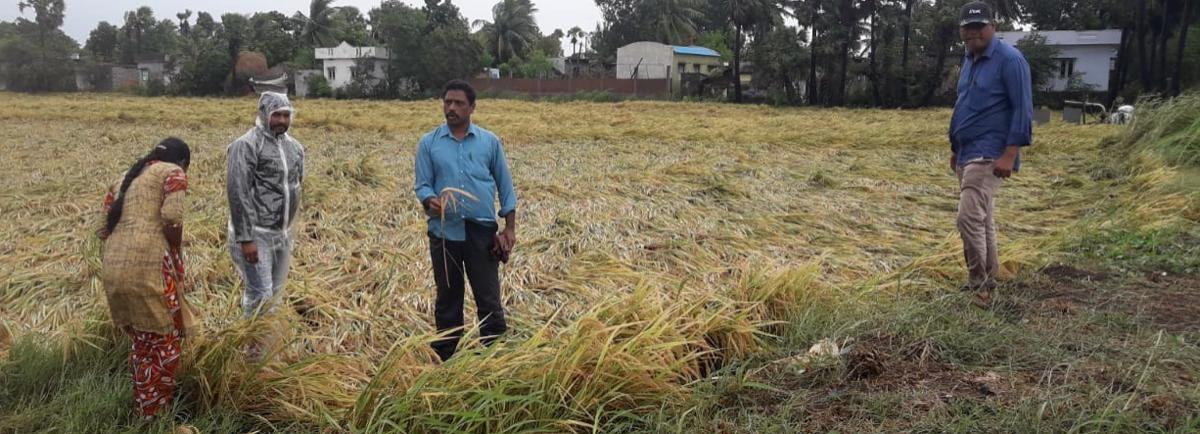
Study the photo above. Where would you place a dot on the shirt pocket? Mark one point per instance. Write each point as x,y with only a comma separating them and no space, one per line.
477,168
983,89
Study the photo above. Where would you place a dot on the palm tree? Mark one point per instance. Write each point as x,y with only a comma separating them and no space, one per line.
848,32
513,30
905,76
184,27
1142,30
137,23
871,7
809,14
48,14
1189,15
236,28
576,34
1168,13
674,21
744,14
317,25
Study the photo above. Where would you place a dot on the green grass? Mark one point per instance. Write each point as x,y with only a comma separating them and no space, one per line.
1173,250
1171,128
1093,372
85,388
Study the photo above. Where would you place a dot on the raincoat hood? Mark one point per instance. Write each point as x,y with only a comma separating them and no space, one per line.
268,104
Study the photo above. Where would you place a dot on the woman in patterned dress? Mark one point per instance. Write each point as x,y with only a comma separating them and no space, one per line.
143,269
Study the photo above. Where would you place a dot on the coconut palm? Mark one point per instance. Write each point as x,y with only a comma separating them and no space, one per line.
745,14
674,21
317,30
184,27
512,31
576,34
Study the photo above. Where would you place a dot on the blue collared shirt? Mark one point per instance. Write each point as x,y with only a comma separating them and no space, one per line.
995,105
475,165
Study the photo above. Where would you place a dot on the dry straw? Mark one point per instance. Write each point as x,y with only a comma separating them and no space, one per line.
658,241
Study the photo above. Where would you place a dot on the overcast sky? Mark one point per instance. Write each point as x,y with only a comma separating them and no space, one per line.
83,15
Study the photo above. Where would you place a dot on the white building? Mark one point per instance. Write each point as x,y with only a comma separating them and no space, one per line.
1091,54
343,62
652,60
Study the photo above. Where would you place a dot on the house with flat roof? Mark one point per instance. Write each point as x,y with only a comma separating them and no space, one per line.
341,64
1090,54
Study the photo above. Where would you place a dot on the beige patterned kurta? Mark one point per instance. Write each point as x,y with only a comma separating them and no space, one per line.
138,263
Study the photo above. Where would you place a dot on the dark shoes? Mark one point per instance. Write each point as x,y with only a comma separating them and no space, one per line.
983,292
985,286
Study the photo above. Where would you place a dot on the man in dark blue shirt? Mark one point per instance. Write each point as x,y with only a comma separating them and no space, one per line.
992,121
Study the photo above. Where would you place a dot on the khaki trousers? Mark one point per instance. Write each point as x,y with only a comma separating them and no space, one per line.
977,220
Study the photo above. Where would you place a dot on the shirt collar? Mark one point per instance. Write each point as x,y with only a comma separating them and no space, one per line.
444,131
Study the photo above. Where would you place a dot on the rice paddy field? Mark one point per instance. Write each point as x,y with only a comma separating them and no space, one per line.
676,262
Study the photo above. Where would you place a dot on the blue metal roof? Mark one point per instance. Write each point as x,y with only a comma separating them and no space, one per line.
695,51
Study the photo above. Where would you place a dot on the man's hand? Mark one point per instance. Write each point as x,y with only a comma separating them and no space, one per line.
503,244
1003,167
507,240
433,206
250,252
953,163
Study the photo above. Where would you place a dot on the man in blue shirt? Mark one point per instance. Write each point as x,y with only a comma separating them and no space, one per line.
460,170
992,121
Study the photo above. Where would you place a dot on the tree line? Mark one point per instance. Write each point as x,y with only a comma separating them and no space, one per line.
432,43
897,53
883,53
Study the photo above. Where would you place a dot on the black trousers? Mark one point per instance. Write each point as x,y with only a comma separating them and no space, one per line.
474,257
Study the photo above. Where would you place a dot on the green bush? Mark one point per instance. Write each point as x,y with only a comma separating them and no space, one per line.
153,87
318,87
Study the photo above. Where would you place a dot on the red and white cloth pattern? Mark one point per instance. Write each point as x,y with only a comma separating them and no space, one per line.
176,181
155,357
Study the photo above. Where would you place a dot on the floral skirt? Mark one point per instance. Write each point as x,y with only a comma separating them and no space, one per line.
155,357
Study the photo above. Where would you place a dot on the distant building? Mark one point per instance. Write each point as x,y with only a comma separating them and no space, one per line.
274,80
83,80
581,66
152,69
341,64
107,77
652,60
1090,54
